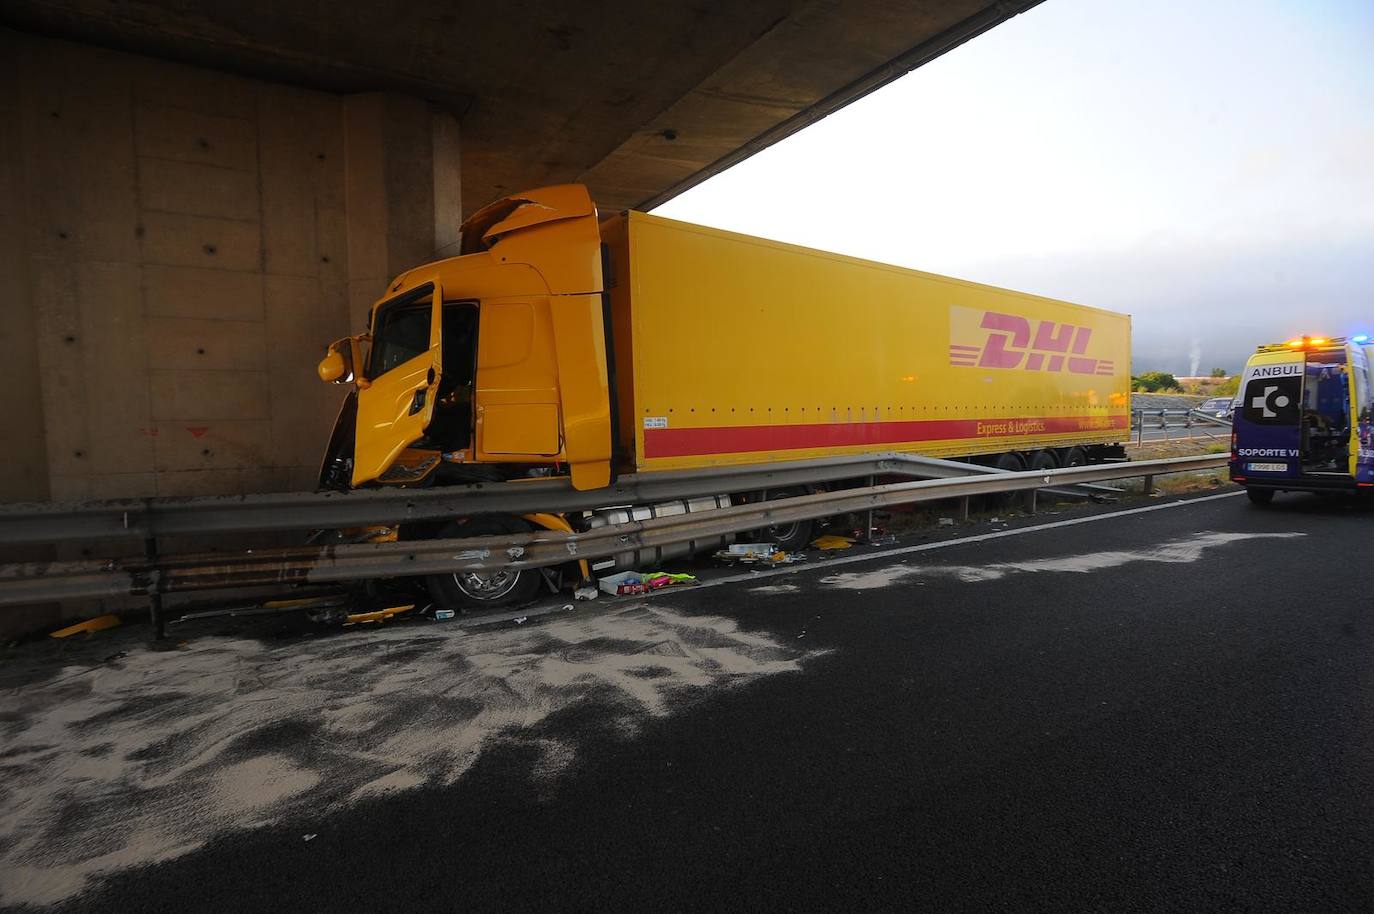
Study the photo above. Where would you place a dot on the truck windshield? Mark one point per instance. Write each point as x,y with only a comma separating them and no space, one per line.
401,332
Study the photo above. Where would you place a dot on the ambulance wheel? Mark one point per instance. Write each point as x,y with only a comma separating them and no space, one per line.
1260,496
461,591
788,537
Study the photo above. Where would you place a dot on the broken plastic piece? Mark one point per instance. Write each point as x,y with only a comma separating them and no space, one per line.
585,593
98,624
380,615
833,542
443,615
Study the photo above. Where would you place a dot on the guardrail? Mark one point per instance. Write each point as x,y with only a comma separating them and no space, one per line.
1195,421
147,518
153,576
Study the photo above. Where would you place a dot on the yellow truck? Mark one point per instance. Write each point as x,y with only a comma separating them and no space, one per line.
563,342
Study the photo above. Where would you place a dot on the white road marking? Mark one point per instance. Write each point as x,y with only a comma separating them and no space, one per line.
945,544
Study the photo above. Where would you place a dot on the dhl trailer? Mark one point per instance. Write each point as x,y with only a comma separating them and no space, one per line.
559,342
1301,421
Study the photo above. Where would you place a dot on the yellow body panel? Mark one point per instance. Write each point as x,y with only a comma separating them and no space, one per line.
730,350
748,351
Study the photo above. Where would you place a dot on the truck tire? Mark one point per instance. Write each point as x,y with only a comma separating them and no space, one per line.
1260,496
1075,457
1044,460
464,590
791,536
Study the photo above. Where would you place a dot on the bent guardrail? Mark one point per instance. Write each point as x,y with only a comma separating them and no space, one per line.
32,582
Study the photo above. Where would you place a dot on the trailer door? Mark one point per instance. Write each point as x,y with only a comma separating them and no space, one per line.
396,400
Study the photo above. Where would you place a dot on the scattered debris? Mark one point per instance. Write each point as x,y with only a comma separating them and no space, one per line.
98,624
520,620
622,584
443,615
946,522
379,615
882,539
310,837
635,582
585,593
830,541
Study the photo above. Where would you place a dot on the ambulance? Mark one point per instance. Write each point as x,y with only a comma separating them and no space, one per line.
1301,420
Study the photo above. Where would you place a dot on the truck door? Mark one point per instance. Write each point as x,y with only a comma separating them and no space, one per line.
396,397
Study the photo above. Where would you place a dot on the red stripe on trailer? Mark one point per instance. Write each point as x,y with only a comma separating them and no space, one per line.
685,442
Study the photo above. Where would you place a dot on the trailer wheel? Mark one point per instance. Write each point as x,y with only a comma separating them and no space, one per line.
1044,460
1076,457
791,536
464,590
1260,496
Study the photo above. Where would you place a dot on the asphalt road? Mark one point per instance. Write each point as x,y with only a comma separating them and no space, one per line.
1167,709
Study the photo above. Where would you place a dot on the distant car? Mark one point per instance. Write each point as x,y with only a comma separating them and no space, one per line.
1217,406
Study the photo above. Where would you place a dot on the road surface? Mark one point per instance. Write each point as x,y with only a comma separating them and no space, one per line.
1164,709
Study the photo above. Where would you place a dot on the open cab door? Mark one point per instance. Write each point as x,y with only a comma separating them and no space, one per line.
396,390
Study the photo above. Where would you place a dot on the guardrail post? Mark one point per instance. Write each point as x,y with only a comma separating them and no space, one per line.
868,519
1149,485
155,597
963,509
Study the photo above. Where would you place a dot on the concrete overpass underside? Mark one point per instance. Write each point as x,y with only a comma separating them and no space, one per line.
196,197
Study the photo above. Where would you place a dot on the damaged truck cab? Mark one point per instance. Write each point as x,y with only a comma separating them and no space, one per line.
482,365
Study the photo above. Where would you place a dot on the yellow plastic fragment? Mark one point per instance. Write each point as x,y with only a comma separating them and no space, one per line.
832,542
99,623
380,615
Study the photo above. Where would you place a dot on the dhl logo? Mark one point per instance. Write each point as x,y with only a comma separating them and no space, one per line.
1010,341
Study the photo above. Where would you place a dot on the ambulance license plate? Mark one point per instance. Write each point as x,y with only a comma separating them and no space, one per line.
1267,467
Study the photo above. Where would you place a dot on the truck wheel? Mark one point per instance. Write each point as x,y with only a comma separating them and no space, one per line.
1260,496
464,590
1076,457
1044,460
791,536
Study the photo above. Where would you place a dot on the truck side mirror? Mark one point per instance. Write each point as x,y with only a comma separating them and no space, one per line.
332,367
340,363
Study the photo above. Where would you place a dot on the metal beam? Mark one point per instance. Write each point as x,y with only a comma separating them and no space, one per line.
34,582
159,517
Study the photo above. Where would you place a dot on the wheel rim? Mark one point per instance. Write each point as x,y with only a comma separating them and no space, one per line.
782,532
479,586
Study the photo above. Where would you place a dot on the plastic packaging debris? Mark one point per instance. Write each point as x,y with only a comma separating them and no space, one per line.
946,522
310,837
833,542
585,593
520,620
657,579
748,553
98,624
755,550
443,615
882,539
624,583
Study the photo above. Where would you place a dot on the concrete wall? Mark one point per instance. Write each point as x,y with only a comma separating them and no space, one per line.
177,246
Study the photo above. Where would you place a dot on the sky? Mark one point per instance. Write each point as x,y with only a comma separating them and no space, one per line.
1206,167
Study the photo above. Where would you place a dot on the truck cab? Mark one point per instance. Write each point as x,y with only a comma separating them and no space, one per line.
1302,419
489,365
